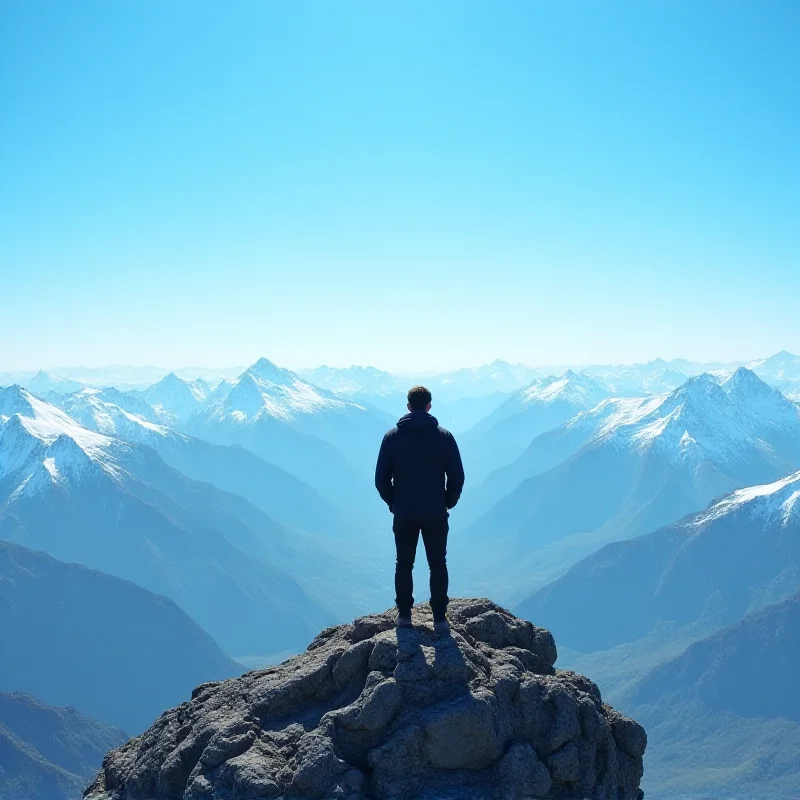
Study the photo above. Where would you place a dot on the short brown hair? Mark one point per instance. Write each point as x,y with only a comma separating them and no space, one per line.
418,398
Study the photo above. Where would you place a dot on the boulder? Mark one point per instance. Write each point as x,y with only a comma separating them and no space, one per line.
373,711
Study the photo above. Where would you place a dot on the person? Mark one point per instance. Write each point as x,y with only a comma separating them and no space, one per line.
419,475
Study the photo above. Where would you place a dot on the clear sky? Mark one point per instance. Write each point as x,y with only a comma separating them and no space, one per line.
411,185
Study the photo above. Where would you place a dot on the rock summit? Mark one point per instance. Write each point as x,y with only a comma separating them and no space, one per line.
375,712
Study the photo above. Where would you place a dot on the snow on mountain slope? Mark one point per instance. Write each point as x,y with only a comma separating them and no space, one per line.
779,370
705,419
645,465
552,447
571,386
720,564
266,389
114,413
34,433
538,407
632,606
173,399
779,500
323,439
278,494
116,506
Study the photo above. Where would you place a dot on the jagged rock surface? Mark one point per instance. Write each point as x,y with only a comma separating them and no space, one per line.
370,711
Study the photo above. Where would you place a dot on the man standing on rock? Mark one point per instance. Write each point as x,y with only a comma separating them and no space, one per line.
419,475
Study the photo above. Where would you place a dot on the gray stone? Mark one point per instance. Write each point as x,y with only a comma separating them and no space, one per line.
317,767
522,774
564,764
371,712
461,734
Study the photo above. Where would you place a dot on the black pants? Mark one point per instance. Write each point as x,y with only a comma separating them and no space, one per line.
434,536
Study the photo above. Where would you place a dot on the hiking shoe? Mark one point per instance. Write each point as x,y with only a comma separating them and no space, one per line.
441,626
403,620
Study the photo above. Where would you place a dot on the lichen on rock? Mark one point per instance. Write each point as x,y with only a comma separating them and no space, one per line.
373,711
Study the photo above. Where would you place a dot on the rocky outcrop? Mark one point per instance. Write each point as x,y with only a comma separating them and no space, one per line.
370,711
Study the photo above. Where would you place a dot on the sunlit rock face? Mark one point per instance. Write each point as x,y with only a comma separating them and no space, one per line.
371,711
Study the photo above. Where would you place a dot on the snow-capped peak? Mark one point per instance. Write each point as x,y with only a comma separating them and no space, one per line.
614,413
173,399
265,370
744,379
114,413
573,387
704,419
779,499
45,421
14,400
265,390
760,401
36,436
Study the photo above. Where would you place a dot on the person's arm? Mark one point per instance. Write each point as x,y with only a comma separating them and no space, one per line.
384,473
454,470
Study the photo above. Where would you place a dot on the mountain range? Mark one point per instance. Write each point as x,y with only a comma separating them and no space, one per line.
734,557
116,506
175,400
659,375
77,637
538,407
647,514
49,753
696,629
645,465
323,440
231,468
727,710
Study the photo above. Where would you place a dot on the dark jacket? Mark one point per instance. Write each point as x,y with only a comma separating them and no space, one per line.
419,473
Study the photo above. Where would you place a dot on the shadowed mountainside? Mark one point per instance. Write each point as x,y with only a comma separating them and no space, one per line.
48,753
116,652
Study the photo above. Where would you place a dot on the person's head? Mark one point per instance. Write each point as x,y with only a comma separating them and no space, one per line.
419,399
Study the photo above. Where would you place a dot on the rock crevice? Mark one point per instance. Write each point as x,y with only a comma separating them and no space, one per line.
370,711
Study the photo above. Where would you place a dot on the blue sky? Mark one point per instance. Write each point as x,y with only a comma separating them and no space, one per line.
412,185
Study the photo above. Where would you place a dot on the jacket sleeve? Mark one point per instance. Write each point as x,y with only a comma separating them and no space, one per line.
384,472
454,470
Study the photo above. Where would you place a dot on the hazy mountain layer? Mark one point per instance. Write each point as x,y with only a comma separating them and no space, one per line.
327,442
76,637
49,753
538,407
641,472
728,711
739,554
116,506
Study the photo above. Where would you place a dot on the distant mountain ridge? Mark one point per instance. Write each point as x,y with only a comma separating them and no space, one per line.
727,710
656,376
78,637
326,441
49,753
642,468
175,400
530,411
741,553
228,467
695,629
116,506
